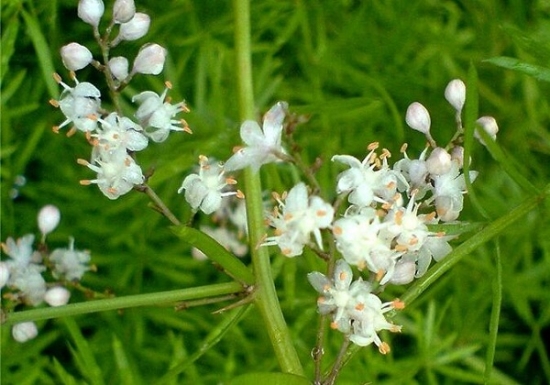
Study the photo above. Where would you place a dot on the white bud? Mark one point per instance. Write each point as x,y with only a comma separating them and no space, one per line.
418,118
439,162
24,331
90,11
457,155
150,60
489,124
4,274
119,67
123,11
57,296
75,56
134,29
455,93
48,219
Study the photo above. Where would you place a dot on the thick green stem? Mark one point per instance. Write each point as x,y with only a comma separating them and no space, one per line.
265,294
151,299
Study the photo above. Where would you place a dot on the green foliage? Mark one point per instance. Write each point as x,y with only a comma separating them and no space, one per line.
350,68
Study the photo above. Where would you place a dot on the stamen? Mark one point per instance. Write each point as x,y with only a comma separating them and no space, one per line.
398,304
373,146
384,348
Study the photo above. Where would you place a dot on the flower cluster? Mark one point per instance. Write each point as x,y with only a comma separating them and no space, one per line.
355,311
114,137
296,219
385,229
22,274
263,145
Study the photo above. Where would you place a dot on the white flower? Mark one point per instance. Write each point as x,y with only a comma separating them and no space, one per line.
69,264
117,136
90,11
359,238
204,190
455,93
48,219
366,184
406,230
134,29
155,114
448,193
263,145
75,56
368,316
150,59
116,176
29,281
57,296
24,331
21,251
415,173
296,219
436,246
338,294
356,311
80,105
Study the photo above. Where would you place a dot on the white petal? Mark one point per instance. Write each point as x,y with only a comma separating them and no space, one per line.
273,123
347,160
252,134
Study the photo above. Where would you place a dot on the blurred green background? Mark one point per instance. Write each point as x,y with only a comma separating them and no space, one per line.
352,67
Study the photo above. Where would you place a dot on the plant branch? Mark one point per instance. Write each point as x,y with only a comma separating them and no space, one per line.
151,299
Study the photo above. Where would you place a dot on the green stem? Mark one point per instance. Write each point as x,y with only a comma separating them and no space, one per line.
151,299
471,244
495,316
265,294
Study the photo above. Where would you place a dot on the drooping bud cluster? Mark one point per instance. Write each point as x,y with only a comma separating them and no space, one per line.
24,274
114,137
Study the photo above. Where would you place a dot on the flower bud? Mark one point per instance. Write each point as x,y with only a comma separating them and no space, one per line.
455,93
4,274
457,155
418,118
24,331
439,162
75,56
123,11
57,296
48,219
150,60
119,67
135,28
90,11
489,124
